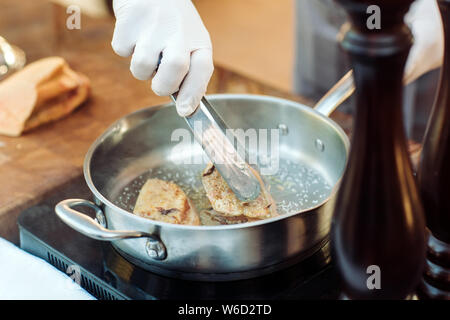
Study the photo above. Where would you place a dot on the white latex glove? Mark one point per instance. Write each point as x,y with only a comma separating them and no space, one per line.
427,52
173,28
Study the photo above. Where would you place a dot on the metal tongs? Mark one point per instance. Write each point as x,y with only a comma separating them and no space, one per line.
212,133
220,145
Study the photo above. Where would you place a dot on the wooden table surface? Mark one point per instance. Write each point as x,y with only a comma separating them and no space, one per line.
48,157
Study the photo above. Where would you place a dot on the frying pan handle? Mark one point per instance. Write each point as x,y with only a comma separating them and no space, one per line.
92,229
343,89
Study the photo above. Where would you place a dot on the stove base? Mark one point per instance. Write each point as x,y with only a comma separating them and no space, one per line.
321,249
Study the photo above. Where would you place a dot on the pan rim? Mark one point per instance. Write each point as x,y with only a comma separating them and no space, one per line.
98,195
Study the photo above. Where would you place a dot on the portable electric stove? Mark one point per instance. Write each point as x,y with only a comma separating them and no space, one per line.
104,273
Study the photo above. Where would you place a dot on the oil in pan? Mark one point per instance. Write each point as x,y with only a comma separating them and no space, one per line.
295,187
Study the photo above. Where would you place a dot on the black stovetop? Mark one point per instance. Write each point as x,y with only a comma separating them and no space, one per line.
107,275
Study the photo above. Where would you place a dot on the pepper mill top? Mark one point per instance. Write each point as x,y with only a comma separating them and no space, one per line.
393,12
383,39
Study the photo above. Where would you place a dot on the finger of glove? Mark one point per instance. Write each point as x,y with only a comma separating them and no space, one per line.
171,71
124,37
145,59
196,81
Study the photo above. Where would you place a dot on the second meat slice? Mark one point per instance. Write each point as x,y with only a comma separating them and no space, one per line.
224,201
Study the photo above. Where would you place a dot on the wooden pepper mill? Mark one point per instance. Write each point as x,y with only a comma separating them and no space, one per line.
434,181
378,229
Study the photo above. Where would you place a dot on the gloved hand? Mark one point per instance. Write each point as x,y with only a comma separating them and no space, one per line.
427,52
173,28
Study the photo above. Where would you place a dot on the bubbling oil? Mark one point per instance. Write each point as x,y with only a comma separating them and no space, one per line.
295,187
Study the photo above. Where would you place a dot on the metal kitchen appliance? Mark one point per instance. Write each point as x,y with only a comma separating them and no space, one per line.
141,145
224,150
12,58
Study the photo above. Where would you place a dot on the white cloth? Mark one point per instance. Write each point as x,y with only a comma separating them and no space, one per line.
173,29
27,277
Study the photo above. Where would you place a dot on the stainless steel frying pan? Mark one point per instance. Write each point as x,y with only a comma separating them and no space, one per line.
312,157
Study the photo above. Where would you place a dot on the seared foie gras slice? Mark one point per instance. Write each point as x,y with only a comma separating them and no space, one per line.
224,201
165,201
